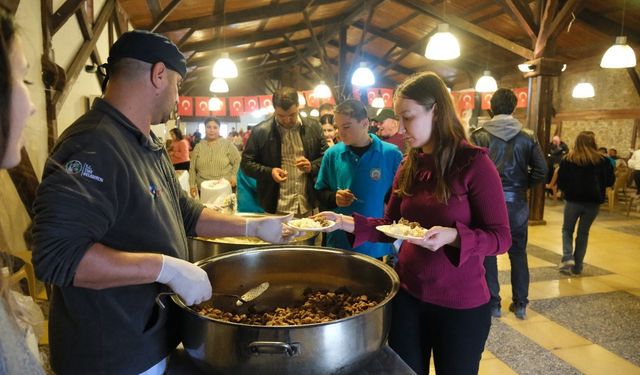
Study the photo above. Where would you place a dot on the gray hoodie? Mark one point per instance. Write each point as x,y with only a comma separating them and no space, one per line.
504,127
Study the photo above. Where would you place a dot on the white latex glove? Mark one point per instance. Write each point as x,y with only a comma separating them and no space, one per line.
189,281
271,229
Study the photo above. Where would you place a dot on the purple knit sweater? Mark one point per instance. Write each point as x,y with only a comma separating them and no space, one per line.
449,277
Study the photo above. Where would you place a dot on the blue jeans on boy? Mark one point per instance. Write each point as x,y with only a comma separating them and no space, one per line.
518,210
586,213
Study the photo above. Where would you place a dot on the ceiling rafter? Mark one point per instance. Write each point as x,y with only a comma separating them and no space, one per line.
163,16
64,12
524,16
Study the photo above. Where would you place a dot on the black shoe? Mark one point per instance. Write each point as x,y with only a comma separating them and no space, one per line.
519,310
495,312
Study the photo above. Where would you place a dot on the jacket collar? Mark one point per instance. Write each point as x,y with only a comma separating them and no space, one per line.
151,142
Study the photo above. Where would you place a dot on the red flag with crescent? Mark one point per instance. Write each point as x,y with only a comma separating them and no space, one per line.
387,96
202,106
265,101
223,108
185,106
236,105
486,100
522,93
371,94
312,101
251,103
466,100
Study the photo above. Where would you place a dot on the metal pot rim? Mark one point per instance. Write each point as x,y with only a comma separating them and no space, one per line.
395,280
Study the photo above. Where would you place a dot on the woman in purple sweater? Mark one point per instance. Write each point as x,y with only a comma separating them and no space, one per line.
452,188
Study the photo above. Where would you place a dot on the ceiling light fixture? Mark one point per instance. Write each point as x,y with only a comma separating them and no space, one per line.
442,45
314,113
219,85
322,91
363,76
215,104
225,67
486,83
378,101
583,90
619,55
301,100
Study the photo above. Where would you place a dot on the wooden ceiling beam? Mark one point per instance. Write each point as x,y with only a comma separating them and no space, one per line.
210,45
87,34
468,27
605,26
154,8
524,16
373,59
163,16
633,75
253,14
63,13
208,60
563,17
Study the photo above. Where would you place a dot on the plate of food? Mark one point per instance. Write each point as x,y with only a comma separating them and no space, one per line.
403,230
311,225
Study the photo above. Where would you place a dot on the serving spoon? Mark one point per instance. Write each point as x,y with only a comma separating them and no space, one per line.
249,296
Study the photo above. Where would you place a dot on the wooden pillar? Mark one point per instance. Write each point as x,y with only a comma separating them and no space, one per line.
539,115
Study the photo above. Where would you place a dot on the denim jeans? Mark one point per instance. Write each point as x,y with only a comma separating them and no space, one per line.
518,221
586,213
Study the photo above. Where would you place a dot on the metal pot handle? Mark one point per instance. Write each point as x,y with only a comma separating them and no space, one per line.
274,347
159,298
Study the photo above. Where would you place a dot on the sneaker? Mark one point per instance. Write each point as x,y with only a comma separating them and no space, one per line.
519,310
574,271
567,264
495,311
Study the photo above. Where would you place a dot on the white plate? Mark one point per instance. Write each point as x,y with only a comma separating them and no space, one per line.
386,229
292,225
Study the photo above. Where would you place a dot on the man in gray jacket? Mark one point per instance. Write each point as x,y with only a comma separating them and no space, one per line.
521,164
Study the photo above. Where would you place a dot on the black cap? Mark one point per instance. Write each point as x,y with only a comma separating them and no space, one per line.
148,47
385,114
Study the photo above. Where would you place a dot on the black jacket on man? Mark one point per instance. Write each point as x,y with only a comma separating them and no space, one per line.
263,153
515,152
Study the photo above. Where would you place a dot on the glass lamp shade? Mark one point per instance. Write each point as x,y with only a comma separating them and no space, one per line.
524,68
363,76
219,85
303,114
486,83
377,102
215,104
322,91
442,45
583,90
225,67
301,100
314,113
619,55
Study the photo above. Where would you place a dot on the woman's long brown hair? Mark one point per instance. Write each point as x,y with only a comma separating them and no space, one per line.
585,151
427,89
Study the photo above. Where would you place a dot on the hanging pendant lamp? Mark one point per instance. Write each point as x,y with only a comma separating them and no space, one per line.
583,90
363,76
322,91
215,104
225,67
619,55
219,85
486,83
442,45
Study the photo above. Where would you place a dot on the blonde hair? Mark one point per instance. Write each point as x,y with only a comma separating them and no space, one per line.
585,151
428,90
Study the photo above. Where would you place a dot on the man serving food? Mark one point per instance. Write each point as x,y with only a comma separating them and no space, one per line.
111,222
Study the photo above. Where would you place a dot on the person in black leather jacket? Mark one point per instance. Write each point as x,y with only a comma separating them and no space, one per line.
284,154
520,162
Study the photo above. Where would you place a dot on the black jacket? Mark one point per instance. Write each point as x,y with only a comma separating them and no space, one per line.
515,152
263,153
585,184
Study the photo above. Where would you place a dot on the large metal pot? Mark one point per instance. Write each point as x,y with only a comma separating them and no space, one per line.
205,247
337,347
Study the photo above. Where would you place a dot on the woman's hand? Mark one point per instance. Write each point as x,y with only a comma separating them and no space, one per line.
437,237
194,192
343,222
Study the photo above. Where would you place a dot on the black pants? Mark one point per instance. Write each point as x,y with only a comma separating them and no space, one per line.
457,337
636,178
182,166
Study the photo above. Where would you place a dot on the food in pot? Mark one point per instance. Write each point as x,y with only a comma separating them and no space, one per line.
405,227
309,223
318,307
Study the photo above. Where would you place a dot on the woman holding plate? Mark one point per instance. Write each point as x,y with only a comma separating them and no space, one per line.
452,188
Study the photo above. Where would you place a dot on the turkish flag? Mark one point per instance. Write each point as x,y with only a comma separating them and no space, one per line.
466,100
265,101
371,94
329,100
236,105
202,106
185,106
312,101
251,103
387,96
223,108
522,93
486,100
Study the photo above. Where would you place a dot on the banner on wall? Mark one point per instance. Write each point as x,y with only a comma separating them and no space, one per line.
265,101
386,94
251,103
523,97
222,112
236,105
202,106
185,106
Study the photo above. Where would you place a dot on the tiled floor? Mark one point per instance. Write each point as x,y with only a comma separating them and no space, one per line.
575,325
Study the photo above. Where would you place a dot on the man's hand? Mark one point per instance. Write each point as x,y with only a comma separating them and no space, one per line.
344,198
436,237
303,164
189,281
279,175
194,192
271,229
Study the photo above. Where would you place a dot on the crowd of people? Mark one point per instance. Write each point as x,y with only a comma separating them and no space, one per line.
111,221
